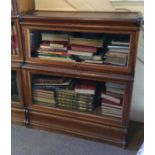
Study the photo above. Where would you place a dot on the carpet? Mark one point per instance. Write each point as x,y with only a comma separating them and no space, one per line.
25,141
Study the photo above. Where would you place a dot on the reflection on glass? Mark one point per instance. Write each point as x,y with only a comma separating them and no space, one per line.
14,87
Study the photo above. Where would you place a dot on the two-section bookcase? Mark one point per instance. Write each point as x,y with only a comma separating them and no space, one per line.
79,71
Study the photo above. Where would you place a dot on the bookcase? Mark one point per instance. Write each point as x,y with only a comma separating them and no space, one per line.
78,72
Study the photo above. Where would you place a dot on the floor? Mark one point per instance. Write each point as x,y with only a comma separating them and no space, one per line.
27,141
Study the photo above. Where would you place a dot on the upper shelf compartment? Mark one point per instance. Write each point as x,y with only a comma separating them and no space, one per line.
88,41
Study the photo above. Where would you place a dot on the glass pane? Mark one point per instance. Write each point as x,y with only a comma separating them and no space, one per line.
14,42
14,87
99,98
92,48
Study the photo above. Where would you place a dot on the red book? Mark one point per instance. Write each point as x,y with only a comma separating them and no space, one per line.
85,87
83,48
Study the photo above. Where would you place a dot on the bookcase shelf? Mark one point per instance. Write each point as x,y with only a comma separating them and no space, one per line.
17,96
90,44
78,72
41,92
16,85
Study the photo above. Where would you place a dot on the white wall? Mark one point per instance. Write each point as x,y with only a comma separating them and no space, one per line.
137,107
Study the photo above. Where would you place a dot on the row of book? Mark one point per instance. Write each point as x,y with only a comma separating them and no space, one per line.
64,92
112,99
78,94
70,48
65,47
14,43
117,53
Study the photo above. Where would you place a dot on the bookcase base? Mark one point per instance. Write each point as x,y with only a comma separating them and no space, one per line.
17,116
82,129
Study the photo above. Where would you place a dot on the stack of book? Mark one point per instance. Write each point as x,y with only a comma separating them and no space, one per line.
85,49
14,43
44,89
73,100
117,53
54,47
80,98
112,99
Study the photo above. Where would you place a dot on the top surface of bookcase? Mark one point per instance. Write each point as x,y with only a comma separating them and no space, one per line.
133,18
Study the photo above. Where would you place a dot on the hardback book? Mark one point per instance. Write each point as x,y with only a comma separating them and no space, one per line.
123,47
115,85
111,102
111,110
111,98
111,105
65,83
114,42
117,50
49,80
94,61
114,90
80,53
114,53
116,60
83,48
56,58
86,42
54,37
85,87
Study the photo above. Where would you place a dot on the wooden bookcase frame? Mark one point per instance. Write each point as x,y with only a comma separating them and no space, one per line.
100,128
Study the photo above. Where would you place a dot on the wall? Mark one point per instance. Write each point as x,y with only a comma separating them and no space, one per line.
137,108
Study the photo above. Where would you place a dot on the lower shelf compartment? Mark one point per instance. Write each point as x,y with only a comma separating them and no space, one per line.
78,128
17,116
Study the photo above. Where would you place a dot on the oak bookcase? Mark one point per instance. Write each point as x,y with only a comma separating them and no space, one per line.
65,115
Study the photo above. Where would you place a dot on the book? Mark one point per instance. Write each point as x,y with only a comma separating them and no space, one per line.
124,47
86,42
114,42
114,53
115,85
114,90
83,48
116,60
85,87
49,80
111,98
111,105
54,37
110,102
80,53
116,50
94,61
56,58
65,83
